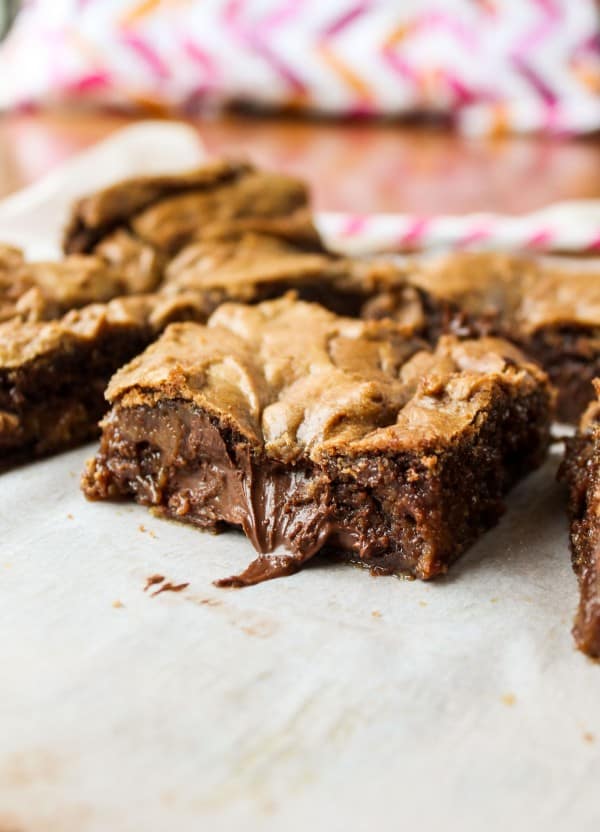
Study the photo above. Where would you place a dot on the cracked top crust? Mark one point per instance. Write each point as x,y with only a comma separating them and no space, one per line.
518,294
41,291
247,269
168,212
121,239
247,261
295,379
258,266
22,342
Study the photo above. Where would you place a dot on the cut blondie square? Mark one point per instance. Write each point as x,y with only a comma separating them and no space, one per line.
549,307
313,432
581,471
143,222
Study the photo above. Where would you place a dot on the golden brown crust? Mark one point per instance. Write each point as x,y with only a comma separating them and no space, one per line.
95,215
131,229
168,212
255,266
23,341
549,307
561,296
295,379
312,431
139,263
240,264
481,284
40,291
516,294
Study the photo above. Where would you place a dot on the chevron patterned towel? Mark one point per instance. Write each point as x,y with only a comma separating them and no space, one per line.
492,65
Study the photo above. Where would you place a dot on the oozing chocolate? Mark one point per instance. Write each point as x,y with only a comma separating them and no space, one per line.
175,458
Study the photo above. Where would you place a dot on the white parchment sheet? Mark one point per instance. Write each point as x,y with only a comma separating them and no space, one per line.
328,700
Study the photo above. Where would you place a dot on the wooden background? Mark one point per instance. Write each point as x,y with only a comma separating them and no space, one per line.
351,167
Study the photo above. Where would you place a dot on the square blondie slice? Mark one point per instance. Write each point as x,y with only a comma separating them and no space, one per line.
252,267
53,374
549,307
581,471
314,432
139,224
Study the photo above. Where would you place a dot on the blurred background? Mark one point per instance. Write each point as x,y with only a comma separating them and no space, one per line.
417,106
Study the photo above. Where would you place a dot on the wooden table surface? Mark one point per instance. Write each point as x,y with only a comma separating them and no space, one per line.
351,167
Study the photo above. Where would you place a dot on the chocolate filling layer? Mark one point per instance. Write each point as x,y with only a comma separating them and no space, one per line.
174,458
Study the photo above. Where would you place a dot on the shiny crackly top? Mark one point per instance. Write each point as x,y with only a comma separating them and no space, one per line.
22,342
242,262
170,211
522,294
38,291
246,267
295,379
203,277
242,268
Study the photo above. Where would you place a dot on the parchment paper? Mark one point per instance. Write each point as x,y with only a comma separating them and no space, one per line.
327,700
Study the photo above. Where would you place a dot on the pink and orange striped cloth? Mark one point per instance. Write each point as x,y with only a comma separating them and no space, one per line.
523,65
565,227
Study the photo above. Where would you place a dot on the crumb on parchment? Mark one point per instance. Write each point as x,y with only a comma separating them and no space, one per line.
169,587
152,580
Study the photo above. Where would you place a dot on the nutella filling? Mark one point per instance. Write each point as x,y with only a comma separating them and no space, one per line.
186,469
